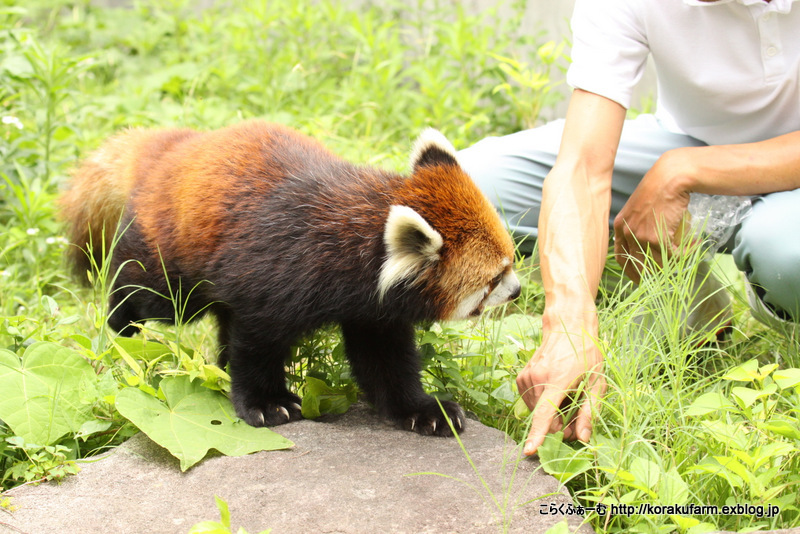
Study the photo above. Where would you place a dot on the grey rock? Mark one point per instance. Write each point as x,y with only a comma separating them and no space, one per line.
346,474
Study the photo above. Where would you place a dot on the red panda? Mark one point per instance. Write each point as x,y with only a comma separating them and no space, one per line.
276,236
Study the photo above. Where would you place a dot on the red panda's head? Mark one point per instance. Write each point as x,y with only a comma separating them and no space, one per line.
443,236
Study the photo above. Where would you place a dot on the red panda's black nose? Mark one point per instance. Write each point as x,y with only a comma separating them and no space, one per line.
514,294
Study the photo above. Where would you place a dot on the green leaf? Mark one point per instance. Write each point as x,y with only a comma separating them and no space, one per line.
320,398
646,472
782,427
193,420
224,512
684,523
672,488
714,467
559,528
709,403
787,378
141,348
561,460
505,392
746,372
91,427
521,410
41,400
748,396
734,466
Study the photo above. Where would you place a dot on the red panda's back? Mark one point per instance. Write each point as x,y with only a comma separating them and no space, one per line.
213,184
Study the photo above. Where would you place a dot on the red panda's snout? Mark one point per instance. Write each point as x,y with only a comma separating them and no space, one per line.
503,288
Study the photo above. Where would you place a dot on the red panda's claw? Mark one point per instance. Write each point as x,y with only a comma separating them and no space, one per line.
277,412
430,421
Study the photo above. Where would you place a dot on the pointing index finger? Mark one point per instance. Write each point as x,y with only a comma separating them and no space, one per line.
543,416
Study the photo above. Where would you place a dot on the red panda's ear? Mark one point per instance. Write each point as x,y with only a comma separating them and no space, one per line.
411,245
432,148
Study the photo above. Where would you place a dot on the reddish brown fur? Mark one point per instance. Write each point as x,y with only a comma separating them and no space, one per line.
289,237
181,183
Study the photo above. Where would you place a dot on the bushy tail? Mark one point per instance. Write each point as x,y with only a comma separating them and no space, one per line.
92,207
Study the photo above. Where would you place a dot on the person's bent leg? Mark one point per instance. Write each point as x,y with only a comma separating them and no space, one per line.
768,251
511,170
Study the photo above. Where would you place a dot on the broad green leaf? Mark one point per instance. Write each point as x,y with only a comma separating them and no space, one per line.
714,467
320,398
559,528
140,348
771,450
505,392
41,399
672,488
782,427
746,372
709,403
609,453
193,420
702,528
787,378
734,466
521,410
728,434
561,460
748,396
646,472
684,523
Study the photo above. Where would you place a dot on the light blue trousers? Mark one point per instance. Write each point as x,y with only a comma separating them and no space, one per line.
512,169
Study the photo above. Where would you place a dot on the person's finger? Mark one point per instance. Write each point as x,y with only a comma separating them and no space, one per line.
527,389
556,424
631,263
569,431
582,424
543,416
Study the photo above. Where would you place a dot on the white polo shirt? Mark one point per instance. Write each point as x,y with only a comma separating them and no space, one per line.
728,71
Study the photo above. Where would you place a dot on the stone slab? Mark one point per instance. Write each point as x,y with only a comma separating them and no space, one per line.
346,474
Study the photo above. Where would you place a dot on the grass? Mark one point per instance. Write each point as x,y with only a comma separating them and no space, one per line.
683,421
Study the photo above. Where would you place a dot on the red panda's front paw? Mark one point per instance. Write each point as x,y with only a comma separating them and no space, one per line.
270,413
431,420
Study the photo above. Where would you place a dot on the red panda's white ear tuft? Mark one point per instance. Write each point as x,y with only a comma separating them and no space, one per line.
432,148
411,245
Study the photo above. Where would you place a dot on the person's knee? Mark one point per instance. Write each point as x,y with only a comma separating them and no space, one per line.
511,170
768,251
489,166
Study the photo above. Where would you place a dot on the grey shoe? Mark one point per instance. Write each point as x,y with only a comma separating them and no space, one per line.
764,313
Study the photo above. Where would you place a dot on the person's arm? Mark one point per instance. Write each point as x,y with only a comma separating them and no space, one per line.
659,202
573,242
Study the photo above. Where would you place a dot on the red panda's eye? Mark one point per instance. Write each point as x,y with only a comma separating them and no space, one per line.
496,280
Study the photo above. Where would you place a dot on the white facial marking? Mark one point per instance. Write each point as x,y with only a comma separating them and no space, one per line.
509,286
469,304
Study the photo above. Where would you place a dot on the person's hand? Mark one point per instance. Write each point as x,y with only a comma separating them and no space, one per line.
555,371
652,221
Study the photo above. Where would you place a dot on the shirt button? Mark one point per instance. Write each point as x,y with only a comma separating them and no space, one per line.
771,51
766,17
